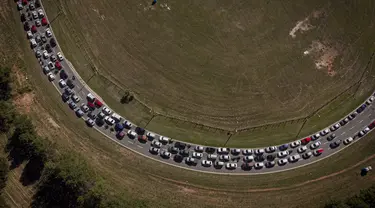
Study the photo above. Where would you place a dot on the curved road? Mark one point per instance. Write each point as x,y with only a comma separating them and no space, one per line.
351,129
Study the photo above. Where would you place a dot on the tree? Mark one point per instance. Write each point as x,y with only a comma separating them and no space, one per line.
7,115
4,170
5,83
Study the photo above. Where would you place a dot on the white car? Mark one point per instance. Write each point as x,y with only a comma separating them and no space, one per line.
295,144
224,158
335,127
29,34
348,140
370,100
316,136
211,157
154,150
50,76
247,151
259,151
282,162
34,14
40,13
271,149
198,148
366,130
165,154
197,155
315,145
164,139
307,155
231,166
282,154
324,132
235,151
302,149
259,165
62,83
156,144
248,158
294,158
223,150
109,120
131,134
106,111
128,124
51,65
45,54
150,135
59,56
206,163
48,33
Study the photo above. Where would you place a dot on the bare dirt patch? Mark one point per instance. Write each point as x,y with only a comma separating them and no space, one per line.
24,102
305,25
324,55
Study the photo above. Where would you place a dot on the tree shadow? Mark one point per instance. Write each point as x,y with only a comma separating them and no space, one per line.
32,171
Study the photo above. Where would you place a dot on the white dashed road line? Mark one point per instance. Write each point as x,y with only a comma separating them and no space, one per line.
360,121
139,146
352,127
130,142
343,133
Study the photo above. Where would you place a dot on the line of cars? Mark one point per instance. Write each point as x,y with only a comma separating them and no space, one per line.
100,115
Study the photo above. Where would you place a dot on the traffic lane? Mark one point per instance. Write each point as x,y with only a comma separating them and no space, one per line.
135,144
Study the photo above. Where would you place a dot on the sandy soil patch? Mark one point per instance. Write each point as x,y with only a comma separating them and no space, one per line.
305,25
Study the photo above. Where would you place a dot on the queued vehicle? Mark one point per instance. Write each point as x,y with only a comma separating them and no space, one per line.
231,166
259,165
206,163
294,158
331,137
165,154
307,155
335,144
315,145
235,151
223,150
348,140
259,151
282,154
154,150
247,151
295,144
282,162
270,149
302,149
270,164
318,152
199,148
335,127
305,140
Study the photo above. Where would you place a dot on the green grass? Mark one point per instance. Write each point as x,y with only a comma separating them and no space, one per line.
164,186
152,53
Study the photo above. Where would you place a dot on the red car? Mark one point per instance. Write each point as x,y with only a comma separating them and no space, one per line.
91,105
306,140
98,103
372,125
58,65
33,29
44,21
24,2
318,152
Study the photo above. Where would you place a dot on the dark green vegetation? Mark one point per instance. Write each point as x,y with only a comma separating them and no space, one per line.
365,199
228,65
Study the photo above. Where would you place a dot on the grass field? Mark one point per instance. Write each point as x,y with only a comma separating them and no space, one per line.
230,65
156,183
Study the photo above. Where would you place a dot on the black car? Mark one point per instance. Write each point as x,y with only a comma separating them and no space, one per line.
65,97
259,158
49,48
37,3
331,137
271,157
92,115
247,166
210,150
335,144
344,121
70,84
63,75
23,17
53,42
180,145
173,150
270,164
184,153
178,158
360,109
139,130
26,26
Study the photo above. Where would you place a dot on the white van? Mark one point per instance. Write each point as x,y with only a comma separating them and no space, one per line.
33,43
116,117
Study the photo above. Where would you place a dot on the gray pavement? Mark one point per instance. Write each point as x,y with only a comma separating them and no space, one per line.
351,129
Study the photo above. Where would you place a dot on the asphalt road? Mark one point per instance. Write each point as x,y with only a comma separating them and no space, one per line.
81,89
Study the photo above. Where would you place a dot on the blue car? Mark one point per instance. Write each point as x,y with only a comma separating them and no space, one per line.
283,147
360,109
